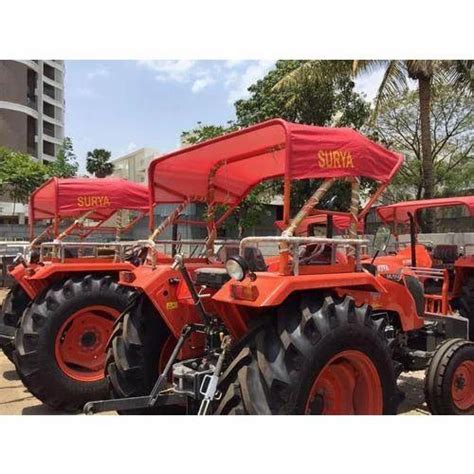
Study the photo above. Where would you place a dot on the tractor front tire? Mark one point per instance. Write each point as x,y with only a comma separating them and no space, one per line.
138,350
449,380
466,304
317,355
61,340
13,307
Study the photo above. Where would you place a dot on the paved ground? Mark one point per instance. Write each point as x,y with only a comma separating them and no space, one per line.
16,400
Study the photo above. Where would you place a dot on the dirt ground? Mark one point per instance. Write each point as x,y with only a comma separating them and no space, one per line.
16,400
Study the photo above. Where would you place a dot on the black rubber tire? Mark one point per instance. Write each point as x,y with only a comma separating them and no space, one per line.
35,339
13,307
466,304
274,371
439,376
133,354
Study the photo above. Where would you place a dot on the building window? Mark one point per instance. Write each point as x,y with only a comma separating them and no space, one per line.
48,110
48,71
48,148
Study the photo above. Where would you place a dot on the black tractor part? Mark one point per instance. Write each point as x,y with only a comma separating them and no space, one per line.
465,303
278,368
136,353
13,307
43,328
449,380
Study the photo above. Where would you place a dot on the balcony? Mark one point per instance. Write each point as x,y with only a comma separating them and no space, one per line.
31,101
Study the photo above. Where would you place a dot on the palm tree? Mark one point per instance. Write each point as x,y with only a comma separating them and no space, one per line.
393,83
98,163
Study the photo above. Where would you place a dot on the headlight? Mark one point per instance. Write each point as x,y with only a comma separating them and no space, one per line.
237,268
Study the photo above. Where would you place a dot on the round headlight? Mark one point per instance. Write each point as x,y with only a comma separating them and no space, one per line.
236,268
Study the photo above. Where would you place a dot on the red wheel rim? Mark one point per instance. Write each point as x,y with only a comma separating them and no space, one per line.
462,386
81,342
348,384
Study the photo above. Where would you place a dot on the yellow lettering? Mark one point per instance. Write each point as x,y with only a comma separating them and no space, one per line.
93,201
335,159
321,159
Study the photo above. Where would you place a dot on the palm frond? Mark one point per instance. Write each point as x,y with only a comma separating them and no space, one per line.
394,82
316,70
362,66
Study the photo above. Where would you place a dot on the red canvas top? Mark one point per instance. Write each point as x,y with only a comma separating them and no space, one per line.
399,211
73,197
238,161
339,222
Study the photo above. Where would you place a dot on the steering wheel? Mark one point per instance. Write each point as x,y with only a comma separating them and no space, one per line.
310,252
136,255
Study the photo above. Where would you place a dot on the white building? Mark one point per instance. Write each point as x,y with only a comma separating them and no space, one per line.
133,166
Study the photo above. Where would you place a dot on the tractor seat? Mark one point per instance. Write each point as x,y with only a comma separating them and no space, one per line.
447,254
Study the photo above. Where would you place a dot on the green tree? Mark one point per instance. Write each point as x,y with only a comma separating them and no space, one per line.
292,92
201,133
426,73
394,82
250,211
20,175
398,126
65,165
98,163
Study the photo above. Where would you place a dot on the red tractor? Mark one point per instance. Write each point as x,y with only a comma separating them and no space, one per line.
447,270
307,333
58,316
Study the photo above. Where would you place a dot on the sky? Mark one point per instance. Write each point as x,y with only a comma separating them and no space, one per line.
125,105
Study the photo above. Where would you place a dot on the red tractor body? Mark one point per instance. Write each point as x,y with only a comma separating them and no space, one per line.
302,332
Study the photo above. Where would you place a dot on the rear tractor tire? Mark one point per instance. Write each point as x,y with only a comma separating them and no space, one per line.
449,380
13,307
61,340
315,356
466,304
138,350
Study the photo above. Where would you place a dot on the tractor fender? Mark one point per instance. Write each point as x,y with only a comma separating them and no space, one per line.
32,289
272,289
50,270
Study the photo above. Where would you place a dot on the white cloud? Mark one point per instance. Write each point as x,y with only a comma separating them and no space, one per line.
230,63
179,71
234,75
238,83
201,83
100,71
369,83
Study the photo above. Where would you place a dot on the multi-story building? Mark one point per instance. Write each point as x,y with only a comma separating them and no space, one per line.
32,107
133,166
31,116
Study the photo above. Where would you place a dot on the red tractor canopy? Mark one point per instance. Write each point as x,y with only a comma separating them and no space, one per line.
225,169
340,221
400,211
96,199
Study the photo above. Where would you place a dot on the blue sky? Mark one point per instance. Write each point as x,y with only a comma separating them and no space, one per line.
124,105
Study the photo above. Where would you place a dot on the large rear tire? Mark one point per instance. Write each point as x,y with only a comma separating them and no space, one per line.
61,340
449,380
315,356
13,307
138,350
466,304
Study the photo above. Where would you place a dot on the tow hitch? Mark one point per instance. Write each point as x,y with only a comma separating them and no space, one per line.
192,379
